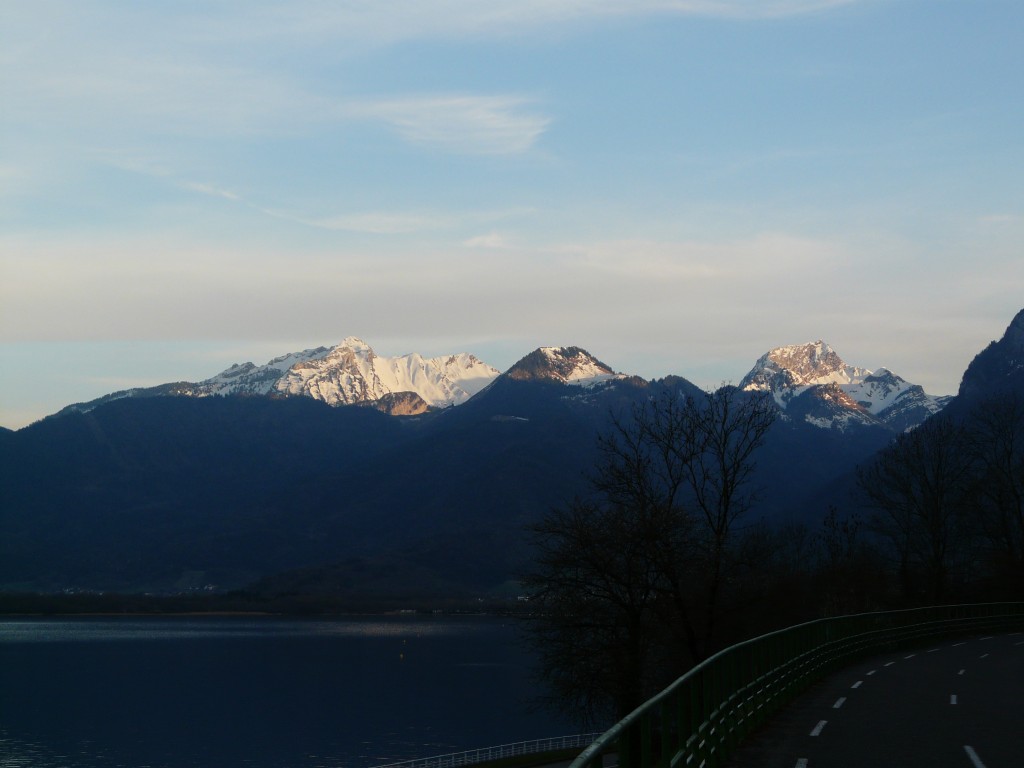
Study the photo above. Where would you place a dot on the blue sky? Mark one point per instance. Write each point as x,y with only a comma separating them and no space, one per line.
675,185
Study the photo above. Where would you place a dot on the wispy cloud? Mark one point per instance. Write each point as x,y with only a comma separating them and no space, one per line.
1001,218
749,9
732,262
493,240
217,69
211,190
380,223
464,124
376,23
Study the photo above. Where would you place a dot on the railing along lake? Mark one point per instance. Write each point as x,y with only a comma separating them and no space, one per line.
488,754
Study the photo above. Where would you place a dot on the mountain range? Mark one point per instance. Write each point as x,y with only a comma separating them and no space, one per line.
807,381
276,478
350,373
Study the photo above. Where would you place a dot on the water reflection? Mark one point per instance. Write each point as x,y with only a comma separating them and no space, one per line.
100,692
176,628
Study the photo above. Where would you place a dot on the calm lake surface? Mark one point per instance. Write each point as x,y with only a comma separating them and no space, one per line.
264,692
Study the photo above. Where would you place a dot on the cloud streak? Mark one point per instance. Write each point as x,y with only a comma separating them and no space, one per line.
459,124
400,20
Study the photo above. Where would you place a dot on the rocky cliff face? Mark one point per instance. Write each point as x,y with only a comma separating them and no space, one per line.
812,383
999,367
399,404
568,365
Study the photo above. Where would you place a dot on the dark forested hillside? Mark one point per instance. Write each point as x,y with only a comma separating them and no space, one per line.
174,493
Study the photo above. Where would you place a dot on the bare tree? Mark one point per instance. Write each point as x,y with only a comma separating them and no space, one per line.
600,595
725,432
996,439
920,487
628,584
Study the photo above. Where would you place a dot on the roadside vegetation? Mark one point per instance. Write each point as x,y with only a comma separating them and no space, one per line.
660,566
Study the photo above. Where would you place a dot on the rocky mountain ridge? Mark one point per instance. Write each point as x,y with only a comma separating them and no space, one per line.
809,382
999,366
568,365
350,373
813,383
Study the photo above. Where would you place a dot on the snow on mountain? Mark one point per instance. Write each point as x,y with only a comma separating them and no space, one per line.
346,374
568,365
785,372
352,372
250,379
812,382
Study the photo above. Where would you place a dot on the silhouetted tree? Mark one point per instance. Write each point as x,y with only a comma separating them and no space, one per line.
850,575
627,584
725,431
920,488
996,441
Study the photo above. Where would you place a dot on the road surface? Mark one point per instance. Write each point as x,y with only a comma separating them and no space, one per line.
957,703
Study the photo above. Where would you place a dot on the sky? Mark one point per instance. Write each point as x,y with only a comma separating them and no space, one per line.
677,186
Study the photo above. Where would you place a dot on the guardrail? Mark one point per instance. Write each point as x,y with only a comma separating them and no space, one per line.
698,720
487,754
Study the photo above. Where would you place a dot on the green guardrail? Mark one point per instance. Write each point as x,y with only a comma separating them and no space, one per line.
503,754
704,715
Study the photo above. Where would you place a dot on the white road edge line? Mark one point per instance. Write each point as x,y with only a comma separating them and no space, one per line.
957,645
857,684
839,702
817,729
872,671
910,656
890,663
961,671
975,760
983,656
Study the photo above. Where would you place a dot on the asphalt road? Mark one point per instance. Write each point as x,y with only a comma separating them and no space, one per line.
958,703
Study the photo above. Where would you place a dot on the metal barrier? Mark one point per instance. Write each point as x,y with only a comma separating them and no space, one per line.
488,754
698,720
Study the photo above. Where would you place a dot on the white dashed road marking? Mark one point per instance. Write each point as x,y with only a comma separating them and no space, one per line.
975,760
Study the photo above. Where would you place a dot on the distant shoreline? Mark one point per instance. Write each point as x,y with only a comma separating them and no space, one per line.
15,604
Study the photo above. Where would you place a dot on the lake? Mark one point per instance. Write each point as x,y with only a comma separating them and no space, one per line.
261,692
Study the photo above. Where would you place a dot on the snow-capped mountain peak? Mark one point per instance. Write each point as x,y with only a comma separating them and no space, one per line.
830,392
568,365
351,372
801,365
